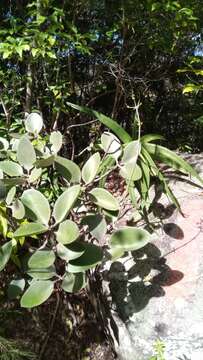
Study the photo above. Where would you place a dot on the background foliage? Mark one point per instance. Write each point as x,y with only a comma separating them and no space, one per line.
99,53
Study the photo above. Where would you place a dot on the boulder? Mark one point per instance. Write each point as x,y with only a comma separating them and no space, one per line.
157,291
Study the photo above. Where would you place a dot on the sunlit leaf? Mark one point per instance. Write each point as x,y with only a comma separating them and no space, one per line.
10,196
65,203
68,232
72,283
18,210
90,168
71,251
37,293
41,259
11,168
37,206
30,229
68,169
43,273
131,171
104,199
34,123
56,139
35,174
111,144
26,153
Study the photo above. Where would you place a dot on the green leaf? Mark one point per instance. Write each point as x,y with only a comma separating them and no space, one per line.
111,144
30,229
56,139
10,196
35,174
26,153
129,238
18,210
90,169
171,159
111,124
131,152
97,225
34,123
72,283
68,169
11,168
70,252
38,292
4,144
5,253
3,225
15,288
92,256
104,199
43,273
131,171
151,137
41,259
65,202
36,205
68,232
46,162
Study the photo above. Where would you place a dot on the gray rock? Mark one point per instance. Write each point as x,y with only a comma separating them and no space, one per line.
157,291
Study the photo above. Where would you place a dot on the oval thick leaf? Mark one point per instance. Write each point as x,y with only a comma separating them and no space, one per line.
70,252
18,210
72,283
26,154
11,168
68,169
35,174
131,152
97,225
5,253
10,196
34,123
92,256
42,274
129,238
4,144
104,199
30,229
37,206
46,162
38,292
56,139
90,169
41,259
111,145
15,288
65,203
68,232
131,171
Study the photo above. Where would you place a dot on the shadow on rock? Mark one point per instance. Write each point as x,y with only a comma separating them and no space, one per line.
132,287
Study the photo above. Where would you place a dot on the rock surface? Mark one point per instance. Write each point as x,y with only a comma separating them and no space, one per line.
157,293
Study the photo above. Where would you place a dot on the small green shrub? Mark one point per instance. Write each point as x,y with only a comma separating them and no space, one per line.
55,214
